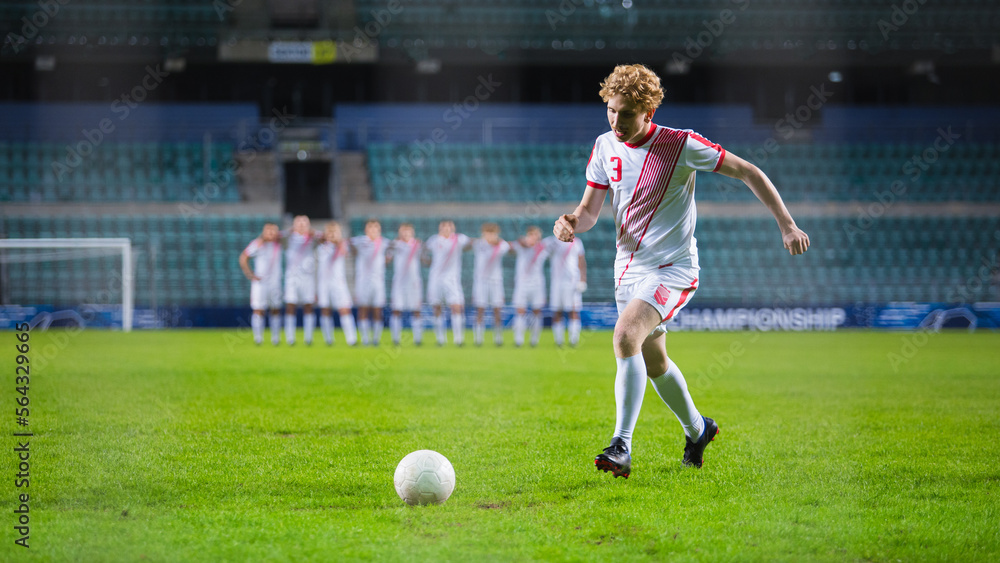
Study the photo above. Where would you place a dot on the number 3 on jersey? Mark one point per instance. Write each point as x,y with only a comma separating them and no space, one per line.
617,162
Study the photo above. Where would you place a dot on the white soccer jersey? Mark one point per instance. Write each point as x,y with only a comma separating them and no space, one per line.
489,260
266,259
300,261
652,185
446,257
565,259
369,265
530,259
332,260
406,262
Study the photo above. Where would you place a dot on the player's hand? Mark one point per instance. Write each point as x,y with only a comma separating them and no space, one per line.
565,227
581,286
252,277
796,241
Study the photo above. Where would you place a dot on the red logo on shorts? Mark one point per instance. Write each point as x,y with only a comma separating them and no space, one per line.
662,294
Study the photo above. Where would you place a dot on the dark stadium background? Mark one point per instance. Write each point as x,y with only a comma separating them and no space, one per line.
877,121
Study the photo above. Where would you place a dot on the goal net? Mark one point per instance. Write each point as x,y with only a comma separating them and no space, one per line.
74,281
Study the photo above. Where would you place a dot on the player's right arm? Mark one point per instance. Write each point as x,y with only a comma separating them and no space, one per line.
583,218
245,266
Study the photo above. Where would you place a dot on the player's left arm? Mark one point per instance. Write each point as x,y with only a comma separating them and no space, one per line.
794,238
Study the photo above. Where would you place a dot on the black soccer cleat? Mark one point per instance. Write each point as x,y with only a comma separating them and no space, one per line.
615,459
694,451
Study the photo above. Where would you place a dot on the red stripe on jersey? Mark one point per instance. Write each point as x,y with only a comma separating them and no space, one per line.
646,198
704,141
680,302
721,158
597,186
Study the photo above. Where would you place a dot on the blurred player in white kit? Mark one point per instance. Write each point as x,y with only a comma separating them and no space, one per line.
407,286
444,282
369,280
333,293
300,278
265,281
529,284
487,281
569,281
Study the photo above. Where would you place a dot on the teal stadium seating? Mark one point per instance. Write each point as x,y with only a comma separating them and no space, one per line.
141,171
179,261
497,25
930,259
816,172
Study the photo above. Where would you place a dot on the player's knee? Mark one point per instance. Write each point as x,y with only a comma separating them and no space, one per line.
625,342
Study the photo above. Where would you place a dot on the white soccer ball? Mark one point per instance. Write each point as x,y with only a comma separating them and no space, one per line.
424,477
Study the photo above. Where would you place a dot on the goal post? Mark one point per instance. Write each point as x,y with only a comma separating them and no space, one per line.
72,246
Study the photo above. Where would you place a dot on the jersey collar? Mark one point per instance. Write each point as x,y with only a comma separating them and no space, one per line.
649,134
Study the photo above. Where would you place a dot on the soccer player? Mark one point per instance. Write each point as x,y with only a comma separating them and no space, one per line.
444,282
650,170
369,280
529,284
487,281
300,278
265,281
332,281
569,281
407,286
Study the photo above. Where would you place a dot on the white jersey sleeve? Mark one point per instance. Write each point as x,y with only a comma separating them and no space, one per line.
597,177
701,154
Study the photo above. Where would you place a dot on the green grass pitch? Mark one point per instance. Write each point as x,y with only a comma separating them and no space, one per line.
199,446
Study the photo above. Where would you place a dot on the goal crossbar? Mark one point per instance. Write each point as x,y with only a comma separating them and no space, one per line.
122,244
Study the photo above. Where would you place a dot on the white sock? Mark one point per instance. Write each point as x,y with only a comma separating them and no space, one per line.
575,325
536,329
350,330
326,327
630,385
257,324
377,326
458,328
439,329
275,328
559,332
289,328
672,388
366,329
308,325
519,322
418,328
396,328
498,334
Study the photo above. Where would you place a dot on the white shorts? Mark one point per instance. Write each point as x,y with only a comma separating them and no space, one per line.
334,295
369,293
667,290
529,296
564,297
265,294
487,293
406,296
445,292
300,290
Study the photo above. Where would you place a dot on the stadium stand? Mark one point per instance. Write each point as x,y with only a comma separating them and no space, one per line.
179,261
